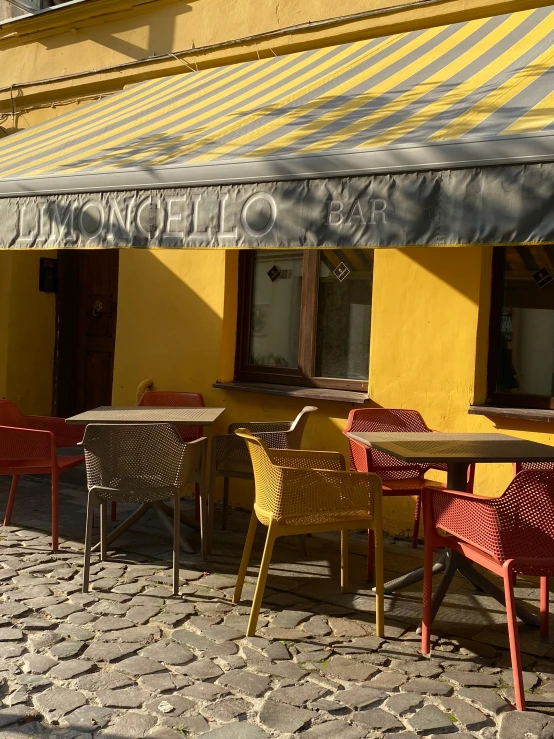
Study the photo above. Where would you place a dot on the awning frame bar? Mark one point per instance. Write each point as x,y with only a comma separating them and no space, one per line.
478,152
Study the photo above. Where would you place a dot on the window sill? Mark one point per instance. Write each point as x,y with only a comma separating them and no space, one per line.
522,414
293,391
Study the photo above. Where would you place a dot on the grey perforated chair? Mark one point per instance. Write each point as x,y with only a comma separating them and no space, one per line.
145,463
230,457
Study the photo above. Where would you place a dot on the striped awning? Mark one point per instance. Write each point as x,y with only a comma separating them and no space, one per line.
478,92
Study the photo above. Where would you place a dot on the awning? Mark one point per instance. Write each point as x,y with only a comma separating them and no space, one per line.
441,135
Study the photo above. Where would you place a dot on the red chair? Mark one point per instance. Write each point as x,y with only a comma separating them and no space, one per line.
399,478
176,399
28,446
507,535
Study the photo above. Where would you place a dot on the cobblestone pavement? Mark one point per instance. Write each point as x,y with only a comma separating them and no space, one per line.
129,660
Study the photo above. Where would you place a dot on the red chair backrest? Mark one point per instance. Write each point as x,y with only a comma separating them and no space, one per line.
176,399
518,525
10,415
21,445
364,459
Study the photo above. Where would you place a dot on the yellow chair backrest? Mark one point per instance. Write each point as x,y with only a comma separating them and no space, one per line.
267,477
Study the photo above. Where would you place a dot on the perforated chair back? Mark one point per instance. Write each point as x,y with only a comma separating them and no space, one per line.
535,466
176,399
518,525
268,478
138,462
65,435
364,459
18,445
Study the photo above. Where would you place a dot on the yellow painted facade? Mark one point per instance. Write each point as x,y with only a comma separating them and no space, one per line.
177,309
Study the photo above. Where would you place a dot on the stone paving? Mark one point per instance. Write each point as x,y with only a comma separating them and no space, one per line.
129,660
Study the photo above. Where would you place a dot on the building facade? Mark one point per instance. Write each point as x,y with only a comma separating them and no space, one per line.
443,330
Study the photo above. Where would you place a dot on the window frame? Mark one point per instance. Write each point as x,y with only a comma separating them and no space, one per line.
506,400
301,376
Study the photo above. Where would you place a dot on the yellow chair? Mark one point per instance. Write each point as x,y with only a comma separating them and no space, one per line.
302,492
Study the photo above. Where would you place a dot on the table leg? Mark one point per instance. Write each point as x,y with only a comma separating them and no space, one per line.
479,580
168,523
189,520
456,477
457,480
412,577
122,528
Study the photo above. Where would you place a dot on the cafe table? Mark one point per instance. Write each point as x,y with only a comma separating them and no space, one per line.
457,451
177,416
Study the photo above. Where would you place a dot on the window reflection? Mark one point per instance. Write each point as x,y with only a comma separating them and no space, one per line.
275,320
526,347
344,313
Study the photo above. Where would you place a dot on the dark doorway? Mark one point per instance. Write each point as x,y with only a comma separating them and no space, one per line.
86,313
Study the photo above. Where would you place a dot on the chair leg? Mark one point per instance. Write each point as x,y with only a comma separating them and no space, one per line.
225,511
55,508
88,541
114,511
245,557
176,541
197,513
370,555
344,561
262,577
103,530
544,606
379,579
11,500
211,500
427,617
417,517
513,636
205,531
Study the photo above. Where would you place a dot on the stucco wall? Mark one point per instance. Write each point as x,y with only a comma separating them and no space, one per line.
27,332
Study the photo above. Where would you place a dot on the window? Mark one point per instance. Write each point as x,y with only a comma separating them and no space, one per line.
521,359
304,317
19,7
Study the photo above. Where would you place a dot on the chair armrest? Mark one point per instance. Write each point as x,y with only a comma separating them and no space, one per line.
26,444
471,518
300,458
66,434
471,497
315,492
258,427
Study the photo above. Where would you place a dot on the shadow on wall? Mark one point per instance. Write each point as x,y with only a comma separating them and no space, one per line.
159,32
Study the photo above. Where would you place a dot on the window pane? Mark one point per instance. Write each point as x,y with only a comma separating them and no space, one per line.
526,346
275,318
344,314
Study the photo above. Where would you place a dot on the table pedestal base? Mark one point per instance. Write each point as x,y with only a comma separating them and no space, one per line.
161,510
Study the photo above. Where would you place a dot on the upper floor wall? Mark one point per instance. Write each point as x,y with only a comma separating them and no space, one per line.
85,48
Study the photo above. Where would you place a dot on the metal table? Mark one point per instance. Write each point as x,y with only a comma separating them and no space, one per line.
177,416
457,451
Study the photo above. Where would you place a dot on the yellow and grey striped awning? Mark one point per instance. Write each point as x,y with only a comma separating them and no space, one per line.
474,92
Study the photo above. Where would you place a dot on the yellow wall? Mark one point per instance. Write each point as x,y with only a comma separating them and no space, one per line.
98,46
429,342
27,332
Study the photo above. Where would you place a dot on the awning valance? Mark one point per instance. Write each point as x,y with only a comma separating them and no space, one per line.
358,118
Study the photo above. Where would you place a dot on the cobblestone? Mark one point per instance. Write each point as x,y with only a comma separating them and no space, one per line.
129,660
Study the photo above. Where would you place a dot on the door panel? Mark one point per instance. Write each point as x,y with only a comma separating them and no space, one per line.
86,325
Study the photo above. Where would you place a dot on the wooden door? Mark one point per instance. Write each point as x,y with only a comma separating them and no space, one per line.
85,329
